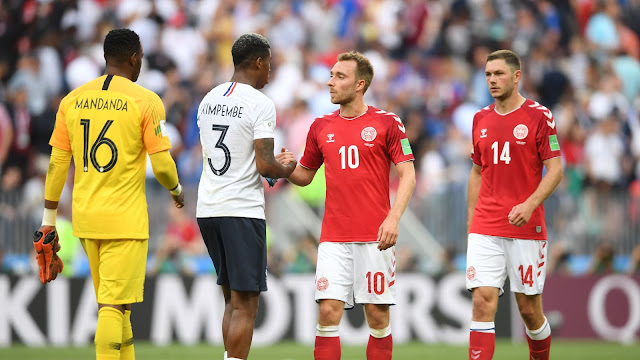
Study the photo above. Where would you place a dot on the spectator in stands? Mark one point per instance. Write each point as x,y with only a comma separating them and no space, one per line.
180,245
6,135
602,261
20,155
303,257
559,255
634,261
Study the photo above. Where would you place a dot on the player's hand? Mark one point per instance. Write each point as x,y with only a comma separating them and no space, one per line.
285,157
179,199
388,233
45,242
520,214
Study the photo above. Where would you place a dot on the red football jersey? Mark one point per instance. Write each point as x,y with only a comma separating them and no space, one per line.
357,154
510,148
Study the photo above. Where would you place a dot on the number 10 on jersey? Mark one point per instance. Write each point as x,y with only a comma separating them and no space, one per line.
350,157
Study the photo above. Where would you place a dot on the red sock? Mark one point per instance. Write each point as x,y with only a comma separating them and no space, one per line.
327,348
481,345
380,348
539,349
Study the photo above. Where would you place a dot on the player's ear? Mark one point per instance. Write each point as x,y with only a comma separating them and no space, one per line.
517,75
133,59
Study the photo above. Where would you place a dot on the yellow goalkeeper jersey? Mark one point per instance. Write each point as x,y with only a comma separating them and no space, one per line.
109,125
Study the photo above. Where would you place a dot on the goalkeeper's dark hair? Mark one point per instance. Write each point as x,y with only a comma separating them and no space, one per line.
512,59
120,44
247,48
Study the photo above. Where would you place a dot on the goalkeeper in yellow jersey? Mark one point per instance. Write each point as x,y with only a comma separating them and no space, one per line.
108,126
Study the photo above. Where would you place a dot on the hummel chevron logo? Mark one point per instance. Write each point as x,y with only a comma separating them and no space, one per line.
546,112
401,126
475,354
551,123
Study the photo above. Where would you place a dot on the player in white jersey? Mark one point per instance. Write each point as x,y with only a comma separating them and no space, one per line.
236,124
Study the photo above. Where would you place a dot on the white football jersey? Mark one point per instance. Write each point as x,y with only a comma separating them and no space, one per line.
230,118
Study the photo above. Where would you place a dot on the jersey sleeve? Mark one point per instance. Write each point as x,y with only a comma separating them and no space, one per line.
154,131
475,150
398,143
547,137
312,157
265,123
60,136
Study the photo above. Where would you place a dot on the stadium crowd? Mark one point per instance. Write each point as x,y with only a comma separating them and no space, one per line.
580,59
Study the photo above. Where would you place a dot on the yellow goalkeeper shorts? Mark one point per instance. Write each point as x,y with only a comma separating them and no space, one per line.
117,268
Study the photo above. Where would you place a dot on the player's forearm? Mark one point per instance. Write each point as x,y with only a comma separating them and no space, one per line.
56,175
475,180
547,185
406,186
164,168
301,176
275,170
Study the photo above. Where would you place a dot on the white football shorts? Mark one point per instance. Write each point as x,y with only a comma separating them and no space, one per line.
356,273
490,259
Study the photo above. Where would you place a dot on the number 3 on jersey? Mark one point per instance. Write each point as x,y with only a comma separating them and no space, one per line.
220,145
504,154
101,140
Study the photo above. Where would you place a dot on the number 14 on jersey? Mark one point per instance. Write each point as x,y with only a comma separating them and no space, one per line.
504,154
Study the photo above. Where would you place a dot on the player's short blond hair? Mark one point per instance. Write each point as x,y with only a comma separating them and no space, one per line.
512,59
364,69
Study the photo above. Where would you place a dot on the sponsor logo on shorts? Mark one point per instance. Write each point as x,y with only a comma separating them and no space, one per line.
471,273
322,284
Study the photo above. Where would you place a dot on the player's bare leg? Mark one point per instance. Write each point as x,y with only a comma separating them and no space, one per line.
380,346
226,318
538,329
327,346
108,337
244,308
482,337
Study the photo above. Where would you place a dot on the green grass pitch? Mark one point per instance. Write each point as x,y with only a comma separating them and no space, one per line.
505,350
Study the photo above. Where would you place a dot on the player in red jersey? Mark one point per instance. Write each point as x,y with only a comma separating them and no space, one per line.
512,140
356,256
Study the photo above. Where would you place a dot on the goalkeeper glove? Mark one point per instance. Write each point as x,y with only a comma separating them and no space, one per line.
45,242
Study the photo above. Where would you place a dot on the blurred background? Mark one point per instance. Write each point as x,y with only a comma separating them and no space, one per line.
580,59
